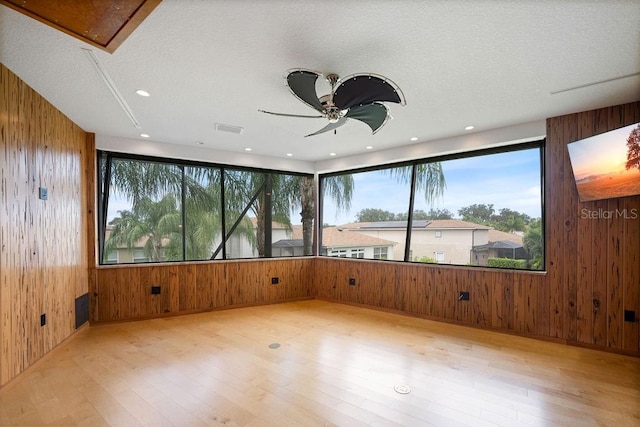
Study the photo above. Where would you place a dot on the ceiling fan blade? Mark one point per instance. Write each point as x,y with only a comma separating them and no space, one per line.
362,89
289,115
303,85
375,115
330,126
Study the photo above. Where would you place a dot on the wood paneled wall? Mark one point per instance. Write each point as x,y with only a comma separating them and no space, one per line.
47,253
592,276
124,292
593,265
499,299
43,259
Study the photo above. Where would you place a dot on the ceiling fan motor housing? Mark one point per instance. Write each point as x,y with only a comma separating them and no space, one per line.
332,112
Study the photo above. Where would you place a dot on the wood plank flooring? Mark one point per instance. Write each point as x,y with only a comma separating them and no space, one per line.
336,365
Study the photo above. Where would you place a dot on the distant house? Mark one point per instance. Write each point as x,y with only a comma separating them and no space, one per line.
500,245
238,246
450,241
447,241
343,243
125,255
337,243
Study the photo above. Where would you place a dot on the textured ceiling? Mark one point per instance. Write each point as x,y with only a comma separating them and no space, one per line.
490,64
104,24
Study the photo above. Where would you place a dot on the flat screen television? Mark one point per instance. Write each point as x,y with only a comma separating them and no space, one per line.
607,165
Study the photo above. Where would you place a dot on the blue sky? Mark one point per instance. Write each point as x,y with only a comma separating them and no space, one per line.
506,180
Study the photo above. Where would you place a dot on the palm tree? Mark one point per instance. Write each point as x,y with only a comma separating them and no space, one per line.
244,191
429,178
147,223
533,243
140,182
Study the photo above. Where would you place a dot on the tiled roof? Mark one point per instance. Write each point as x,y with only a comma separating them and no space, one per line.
496,235
455,223
334,237
288,243
296,232
500,244
274,224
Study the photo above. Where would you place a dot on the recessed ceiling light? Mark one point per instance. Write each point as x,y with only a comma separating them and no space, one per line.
142,92
332,154
247,149
468,128
144,135
369,147
289,154
414,138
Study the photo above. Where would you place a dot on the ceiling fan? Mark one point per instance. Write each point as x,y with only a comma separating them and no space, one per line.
357,96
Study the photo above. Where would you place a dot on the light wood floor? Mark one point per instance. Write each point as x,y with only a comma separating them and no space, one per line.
336,365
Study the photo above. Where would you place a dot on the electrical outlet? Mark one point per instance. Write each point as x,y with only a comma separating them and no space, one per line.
463,296
43,319
43,193
352,281
155,290
275,280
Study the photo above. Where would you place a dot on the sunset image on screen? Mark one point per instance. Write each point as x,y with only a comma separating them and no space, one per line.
607,165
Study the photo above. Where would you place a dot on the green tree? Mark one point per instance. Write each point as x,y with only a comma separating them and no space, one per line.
149,222
633,149
420,214
429,178
439,214
141,182
306,202
533,243
509,220
374,215
477,213
430,181
137,180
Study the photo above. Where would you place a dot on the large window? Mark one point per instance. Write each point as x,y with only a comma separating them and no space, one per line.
157,210
477,209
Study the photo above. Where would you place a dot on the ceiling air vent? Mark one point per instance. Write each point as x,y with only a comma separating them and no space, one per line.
229,128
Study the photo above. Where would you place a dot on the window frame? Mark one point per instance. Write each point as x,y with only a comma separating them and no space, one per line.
104,160
538,144
357,253
338,253
381,253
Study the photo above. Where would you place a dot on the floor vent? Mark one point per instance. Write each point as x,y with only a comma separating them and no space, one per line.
82,310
